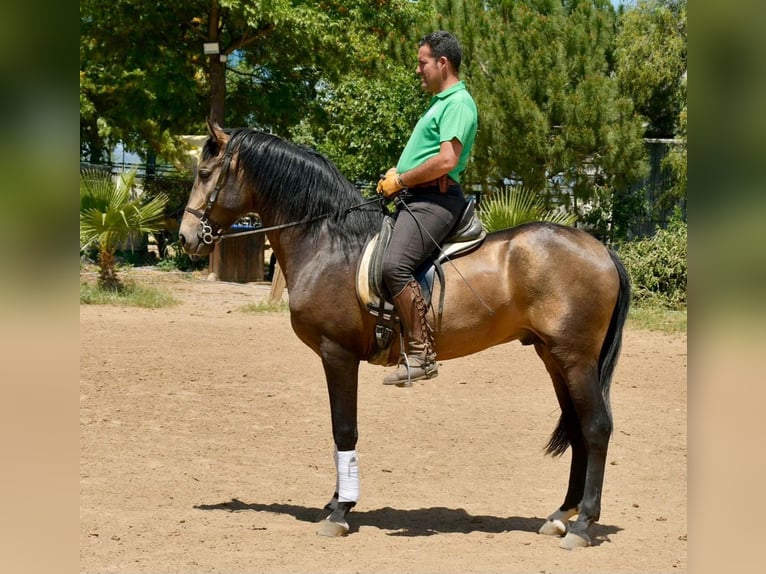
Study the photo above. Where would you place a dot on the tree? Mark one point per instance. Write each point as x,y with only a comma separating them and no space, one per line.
362,123
361,118
675,161
110,215
651,57
144,77
550,114
139,80
651,62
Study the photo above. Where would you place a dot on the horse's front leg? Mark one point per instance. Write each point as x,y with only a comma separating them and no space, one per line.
341,369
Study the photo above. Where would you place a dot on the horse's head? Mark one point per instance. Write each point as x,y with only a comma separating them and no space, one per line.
217,199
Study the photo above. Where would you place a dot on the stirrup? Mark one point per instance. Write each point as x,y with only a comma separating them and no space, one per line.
403,360
429,371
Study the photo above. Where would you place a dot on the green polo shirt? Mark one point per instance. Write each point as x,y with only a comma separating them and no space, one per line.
451,114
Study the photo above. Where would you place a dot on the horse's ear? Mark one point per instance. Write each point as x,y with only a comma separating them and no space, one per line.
217,132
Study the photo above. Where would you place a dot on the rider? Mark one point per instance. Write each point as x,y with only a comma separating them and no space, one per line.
429,167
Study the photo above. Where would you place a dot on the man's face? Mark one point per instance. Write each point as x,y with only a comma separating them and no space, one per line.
430,70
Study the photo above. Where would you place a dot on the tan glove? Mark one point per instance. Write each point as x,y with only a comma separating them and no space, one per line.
391,184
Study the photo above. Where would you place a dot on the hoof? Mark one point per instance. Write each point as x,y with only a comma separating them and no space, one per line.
553,527
572,541
332,529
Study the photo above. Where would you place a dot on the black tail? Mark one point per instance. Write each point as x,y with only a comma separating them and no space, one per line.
610,352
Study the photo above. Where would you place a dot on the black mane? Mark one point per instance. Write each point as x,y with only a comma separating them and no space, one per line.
295,182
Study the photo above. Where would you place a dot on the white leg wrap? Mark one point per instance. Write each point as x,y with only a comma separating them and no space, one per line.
348,476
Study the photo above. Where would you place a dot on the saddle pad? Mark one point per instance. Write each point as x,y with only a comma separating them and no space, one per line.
368,274
363,291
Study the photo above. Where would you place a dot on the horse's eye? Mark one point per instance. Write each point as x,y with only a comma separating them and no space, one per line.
204,173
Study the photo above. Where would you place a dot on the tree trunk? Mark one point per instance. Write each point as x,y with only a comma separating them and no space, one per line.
217,74
107,277
151,162
217,89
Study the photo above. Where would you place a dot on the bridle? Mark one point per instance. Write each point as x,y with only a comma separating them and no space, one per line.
206,230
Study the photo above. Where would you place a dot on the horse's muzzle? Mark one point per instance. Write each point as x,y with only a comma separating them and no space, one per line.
194,245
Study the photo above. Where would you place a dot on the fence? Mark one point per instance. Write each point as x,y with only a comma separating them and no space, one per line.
654,186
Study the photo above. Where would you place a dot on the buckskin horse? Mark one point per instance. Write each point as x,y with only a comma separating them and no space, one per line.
554,287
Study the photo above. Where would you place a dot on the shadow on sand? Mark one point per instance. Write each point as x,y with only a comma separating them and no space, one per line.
415,522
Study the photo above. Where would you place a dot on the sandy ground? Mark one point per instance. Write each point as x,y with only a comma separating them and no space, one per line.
206,447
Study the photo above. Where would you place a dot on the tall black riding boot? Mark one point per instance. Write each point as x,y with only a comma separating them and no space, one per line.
420,361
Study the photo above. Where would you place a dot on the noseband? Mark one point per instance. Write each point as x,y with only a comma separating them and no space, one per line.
206,232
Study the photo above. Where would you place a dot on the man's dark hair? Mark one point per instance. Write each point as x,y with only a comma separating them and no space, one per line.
444,44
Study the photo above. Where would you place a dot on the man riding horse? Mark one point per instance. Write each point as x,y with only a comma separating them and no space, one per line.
429,167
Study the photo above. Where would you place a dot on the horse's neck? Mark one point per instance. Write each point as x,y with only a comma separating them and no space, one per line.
294,252
312,260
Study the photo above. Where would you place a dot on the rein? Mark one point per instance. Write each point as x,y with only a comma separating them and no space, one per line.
294,223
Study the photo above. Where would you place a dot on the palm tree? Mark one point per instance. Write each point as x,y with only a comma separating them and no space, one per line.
517,205
111,215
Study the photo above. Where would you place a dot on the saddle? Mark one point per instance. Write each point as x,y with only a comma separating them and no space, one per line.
465,237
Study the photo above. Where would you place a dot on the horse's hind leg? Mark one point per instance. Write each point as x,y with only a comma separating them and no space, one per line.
586,426
567,434
596,428
557,523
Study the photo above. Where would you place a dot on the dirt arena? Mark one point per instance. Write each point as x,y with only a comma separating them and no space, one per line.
205,446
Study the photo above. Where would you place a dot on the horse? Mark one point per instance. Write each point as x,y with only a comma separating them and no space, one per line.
554,287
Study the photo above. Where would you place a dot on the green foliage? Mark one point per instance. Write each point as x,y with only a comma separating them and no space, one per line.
550,115
676,163
612,213
131,294
176,259
139,73
651,56
362,117
144,76
362,123
265,307
654,316
109,212
110,216
514,206
657,266
175,188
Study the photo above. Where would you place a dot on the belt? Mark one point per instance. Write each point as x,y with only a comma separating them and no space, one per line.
442,183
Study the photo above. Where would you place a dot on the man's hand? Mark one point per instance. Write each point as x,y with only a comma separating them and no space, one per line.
391,184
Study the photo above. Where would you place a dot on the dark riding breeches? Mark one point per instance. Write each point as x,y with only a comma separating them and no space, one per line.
418,234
